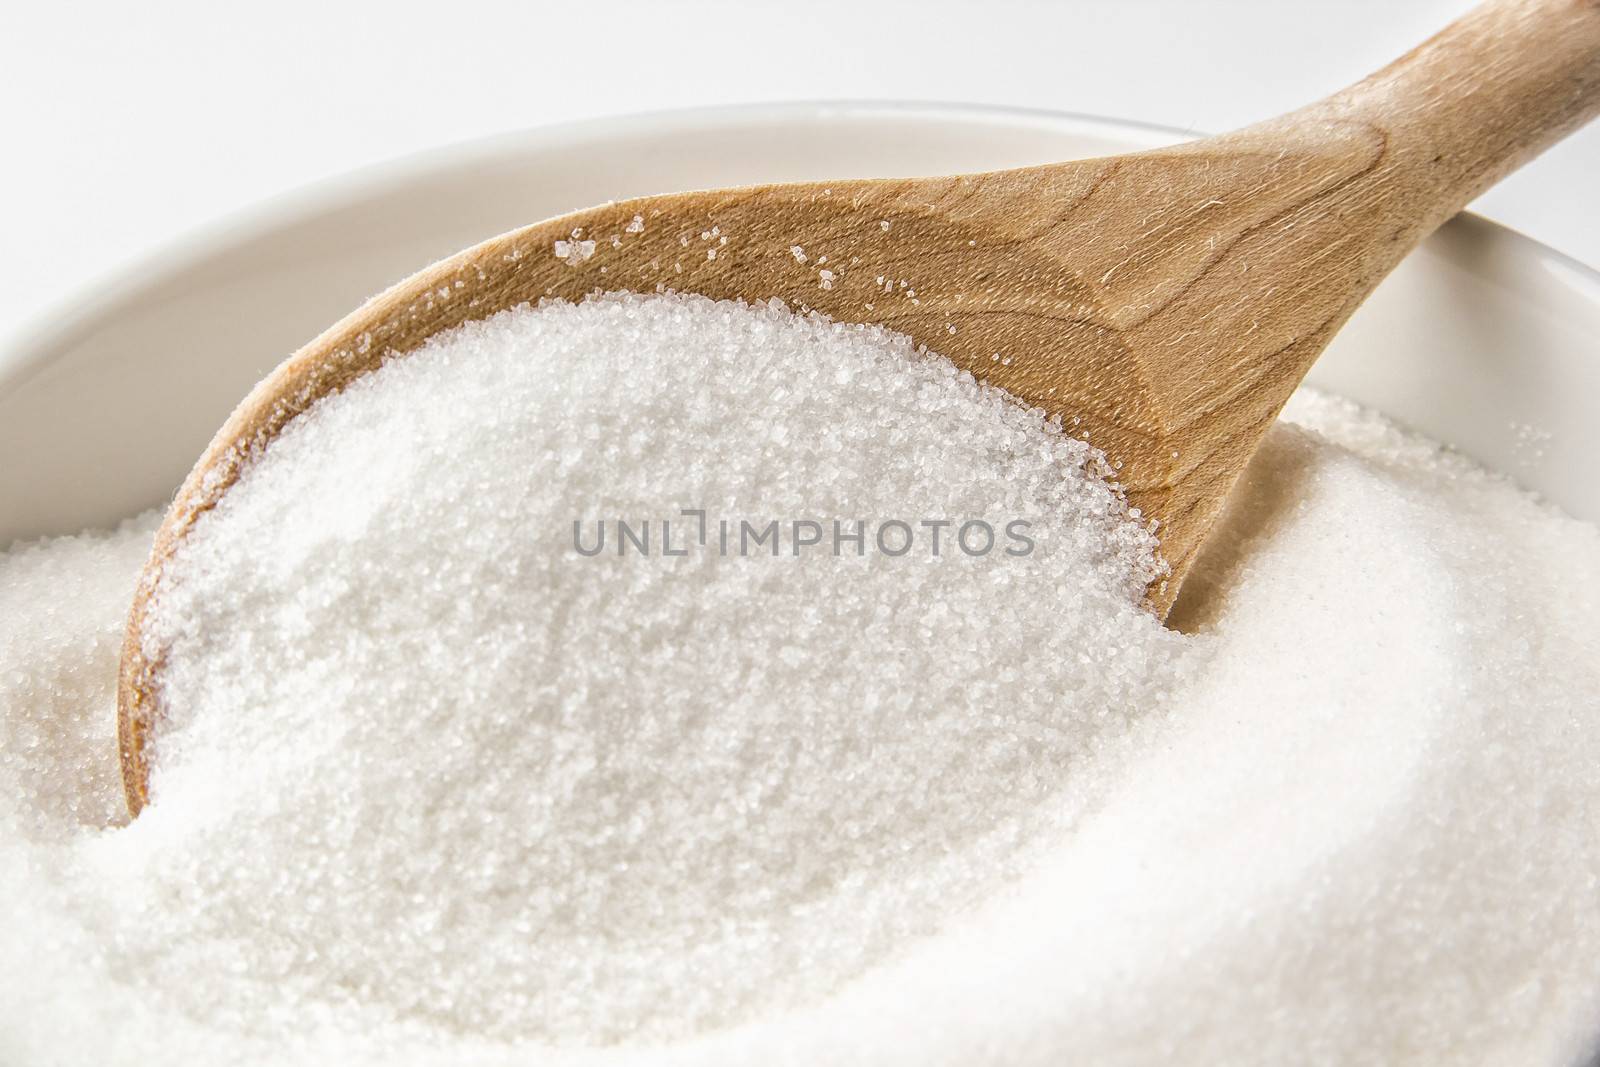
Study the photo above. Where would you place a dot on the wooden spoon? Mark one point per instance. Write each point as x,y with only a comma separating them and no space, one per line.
1165,303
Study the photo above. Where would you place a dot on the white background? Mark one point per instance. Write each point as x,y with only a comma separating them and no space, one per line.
125,125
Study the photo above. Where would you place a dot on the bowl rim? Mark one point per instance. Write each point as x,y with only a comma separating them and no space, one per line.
27,346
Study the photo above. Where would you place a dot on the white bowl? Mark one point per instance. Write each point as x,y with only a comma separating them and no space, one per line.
1482,339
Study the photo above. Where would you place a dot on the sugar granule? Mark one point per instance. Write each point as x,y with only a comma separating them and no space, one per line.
1354,818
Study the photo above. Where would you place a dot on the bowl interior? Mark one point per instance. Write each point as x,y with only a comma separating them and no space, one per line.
1482,339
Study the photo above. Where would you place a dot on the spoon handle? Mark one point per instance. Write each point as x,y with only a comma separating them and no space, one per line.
1473,103
1227,264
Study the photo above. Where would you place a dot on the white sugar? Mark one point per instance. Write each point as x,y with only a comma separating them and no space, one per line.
613,796
62,603
440,788
574,251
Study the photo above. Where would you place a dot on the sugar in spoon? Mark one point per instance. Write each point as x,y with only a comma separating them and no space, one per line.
1164,303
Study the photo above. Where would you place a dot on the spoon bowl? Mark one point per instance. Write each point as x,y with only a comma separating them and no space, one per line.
1164,303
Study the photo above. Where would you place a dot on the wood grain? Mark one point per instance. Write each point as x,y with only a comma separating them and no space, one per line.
1164,303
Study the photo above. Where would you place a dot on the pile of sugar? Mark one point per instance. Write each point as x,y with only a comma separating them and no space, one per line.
513,790
510,789
846,809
